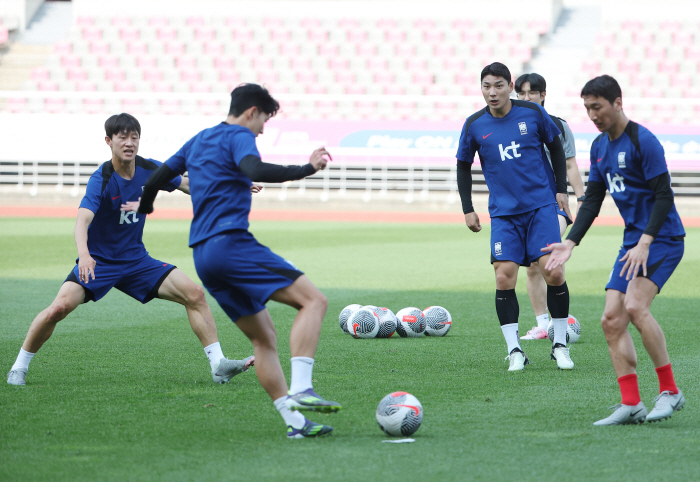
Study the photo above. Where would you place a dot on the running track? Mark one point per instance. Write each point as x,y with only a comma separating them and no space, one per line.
303,215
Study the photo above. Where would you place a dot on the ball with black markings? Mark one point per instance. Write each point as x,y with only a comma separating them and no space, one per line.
399,414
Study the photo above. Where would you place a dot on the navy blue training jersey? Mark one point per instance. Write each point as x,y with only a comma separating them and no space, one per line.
625,165
220,190
512,156
116,236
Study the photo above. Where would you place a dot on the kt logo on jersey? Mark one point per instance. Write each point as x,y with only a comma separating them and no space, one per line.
513,147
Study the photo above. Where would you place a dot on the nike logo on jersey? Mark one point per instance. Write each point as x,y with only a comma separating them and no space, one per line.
115,197
484,137
599,159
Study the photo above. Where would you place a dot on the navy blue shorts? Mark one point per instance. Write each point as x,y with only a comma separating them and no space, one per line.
139,279
520,237
664,256
240,273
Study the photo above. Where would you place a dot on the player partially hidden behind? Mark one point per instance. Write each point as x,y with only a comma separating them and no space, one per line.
629,161
509,135
533,87
238,271
111,254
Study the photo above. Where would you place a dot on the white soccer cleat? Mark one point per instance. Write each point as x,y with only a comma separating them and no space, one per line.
518,360
666,404
16,377
625,414
536,333
560,353
228,369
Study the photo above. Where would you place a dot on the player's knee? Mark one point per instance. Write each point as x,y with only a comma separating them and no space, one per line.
635,309
321,301
58,310
610,323
195,296
504,281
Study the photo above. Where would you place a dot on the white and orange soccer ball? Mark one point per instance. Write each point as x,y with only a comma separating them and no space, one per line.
387,322
399,414
345,314
438,321
410,322
573,330
363,323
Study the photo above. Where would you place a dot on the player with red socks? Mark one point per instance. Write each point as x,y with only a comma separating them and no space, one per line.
629,161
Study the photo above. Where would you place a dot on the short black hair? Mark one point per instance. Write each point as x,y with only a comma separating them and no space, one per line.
122,124
497,69
246,96
537,82
603,86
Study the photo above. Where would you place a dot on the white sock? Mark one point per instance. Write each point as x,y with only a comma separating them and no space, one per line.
302,368
214,354
295,419
560,326
510,333
543,321
23,360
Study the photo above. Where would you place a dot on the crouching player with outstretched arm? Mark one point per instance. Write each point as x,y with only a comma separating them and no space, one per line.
629,161
240,273
111,254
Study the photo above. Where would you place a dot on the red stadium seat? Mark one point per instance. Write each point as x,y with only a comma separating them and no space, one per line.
338,64
16,104
280,35
311,23
132,106
643,39
521,53
617,52
693,54
301,63
356,35
169,106
235,22
344,77
405,110
422,78
208,107
432,36
386,23
641,80
305,77
405,51
590,67
354,89
392,35
471,37
273,22
670,25
682,82
376,64
243,34
349,23
289,49
433,89
366,50
510,36
251,49
315,88
605,38
500,25
229,77
424,24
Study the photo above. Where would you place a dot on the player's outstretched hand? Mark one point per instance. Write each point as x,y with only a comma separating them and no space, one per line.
559,254
130,205
636,258
563,202
256,188
318,158
472,220
86,267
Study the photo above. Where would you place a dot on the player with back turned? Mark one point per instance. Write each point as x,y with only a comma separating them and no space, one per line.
240,273
629,161
509,135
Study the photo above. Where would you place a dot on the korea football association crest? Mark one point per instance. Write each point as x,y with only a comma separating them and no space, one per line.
523,128
621,160
497,249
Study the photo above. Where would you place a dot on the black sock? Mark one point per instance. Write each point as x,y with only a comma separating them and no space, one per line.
558,300
507,307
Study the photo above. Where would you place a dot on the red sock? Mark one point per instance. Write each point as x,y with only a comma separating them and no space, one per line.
629,389
666,381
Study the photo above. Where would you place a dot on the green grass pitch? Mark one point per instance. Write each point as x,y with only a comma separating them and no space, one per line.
123,391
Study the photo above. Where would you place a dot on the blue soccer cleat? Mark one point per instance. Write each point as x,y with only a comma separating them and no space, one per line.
310,429
308,400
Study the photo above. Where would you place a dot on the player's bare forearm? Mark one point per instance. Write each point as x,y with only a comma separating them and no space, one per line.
574,177
86,264
184,185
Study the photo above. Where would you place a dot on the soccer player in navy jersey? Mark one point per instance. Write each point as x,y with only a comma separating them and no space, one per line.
629,161
509,135
240,273
533,87
111,254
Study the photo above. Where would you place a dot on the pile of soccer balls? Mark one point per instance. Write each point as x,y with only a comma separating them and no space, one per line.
371,321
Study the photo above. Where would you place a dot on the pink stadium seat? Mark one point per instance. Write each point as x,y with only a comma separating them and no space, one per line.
315,89
213,48
129,33
682,39
92,33
393,35
522,53
16,104
152,75
235,22
251,49
348,23
166,34
424,24
161,87
422,78
453,64
273,22
539,26
590,67
383,77
85,86
682,82
243,34
668,66
108,61
442,50
432,35
670,25
628,66
158,22
345,77
338,64
311,23
137,47
124,86
169,106
195,22
132,106
693,53
366,108
317,35
386,23
473,88
280,35
99,47
84,21
605,38
222,63
634,25
76,73
655,53
643,39
462,24
403,50
208,106
119,22
229,77
199,87
641,80
175,48
189,75
49,85
204,33
356,35
654,92
289,50
328,50
405,110
40,73
188,62
617,52
114,74
146,62
63,47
